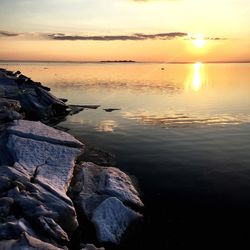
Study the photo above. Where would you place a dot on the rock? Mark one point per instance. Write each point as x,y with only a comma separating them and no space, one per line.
13,229
108,181
7,116
46,211
91,247
111,218
5,206
97,156
52,228
9,104
35,100
27,242
9,88
85,106
42,132
36,185
46,163
110,110
99,194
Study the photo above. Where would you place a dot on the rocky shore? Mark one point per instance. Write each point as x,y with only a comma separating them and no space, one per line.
49,197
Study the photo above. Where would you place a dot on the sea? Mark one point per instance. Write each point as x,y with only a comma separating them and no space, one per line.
182,131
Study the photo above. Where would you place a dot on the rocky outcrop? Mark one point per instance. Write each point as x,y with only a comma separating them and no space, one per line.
35,100
37,164
102,193
33,190
35,210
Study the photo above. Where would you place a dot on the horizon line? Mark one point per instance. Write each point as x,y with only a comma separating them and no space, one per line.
124,61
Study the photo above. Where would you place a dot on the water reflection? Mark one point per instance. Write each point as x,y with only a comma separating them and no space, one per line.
107,126
197,81
176,120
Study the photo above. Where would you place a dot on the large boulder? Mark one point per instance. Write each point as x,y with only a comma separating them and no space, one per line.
42,132
108,181
111,219
43,158
102,194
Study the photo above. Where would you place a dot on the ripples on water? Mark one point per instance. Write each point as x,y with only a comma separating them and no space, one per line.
184,121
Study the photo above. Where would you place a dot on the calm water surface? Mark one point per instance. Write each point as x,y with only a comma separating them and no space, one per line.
183,132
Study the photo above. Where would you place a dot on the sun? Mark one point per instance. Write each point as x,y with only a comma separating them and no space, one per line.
199,41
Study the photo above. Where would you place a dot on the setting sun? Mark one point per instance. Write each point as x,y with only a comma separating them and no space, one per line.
199,41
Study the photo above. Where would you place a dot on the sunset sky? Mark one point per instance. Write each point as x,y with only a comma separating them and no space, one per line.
149,30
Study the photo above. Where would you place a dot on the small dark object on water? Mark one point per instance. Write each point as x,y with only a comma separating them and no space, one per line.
63,99
111,110
89,106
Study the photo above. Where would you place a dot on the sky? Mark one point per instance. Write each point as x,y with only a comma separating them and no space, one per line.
140,30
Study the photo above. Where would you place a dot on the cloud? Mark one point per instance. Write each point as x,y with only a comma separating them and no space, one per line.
208,38
133,37
6,33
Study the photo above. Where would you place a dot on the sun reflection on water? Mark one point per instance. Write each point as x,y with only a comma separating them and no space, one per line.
197,77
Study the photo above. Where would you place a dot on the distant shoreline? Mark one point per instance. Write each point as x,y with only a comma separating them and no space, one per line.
118,61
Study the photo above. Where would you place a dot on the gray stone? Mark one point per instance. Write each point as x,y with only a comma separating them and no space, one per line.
14,228
111,218
41,132
91,247
27,242
43,208
107,181
10,104
48,163
5,206
102,193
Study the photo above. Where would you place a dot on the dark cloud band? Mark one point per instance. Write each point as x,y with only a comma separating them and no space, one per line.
6,33
133,37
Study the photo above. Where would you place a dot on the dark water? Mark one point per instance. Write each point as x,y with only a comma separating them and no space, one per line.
183,132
